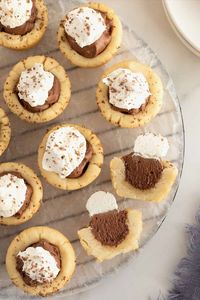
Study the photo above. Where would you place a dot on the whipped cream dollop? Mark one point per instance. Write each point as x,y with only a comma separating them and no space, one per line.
65,150
101,202
150,145
85,25
39,264
12,195
35,84
127,90
14,13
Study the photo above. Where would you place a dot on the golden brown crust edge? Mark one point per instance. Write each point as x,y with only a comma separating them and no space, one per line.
32,38
5,131
53,111
94,167
30,236
156,194
103,57
36,198
143,117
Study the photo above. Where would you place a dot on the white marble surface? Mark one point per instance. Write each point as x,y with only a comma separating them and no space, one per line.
153,269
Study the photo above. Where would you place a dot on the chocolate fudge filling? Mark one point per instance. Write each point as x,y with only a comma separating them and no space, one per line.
132,111
83,165
142,173
28,196
110,228
53,97
54,251
24,28
99,45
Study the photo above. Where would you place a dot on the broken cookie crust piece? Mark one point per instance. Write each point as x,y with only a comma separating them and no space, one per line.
155,194
101,252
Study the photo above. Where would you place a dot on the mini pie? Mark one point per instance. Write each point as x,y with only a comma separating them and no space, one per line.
144,116
12,99
107,54
27,238
36,197
5,131
106,248
30,39
100,252
125,189
91,173
143,174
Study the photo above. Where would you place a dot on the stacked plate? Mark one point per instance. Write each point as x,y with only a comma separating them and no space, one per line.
183,15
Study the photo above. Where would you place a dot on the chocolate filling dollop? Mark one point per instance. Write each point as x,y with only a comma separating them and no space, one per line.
142,173
53,97
83,165
28,196
98,46
110,228
54,251
132,111
24,28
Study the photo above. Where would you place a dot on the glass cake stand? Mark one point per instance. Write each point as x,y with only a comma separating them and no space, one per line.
64,210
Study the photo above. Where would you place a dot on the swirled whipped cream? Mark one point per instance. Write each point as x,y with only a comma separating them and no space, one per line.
65,150
85,25
101,202
14,13
127,90
12,195
34,85
39,264
150,145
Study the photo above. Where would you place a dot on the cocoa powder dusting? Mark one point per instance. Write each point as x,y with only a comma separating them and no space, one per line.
24,28
54,251
53,97
83,165
98,46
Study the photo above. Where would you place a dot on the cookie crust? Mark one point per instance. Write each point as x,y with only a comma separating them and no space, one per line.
131,242
156,194
143,117
33,235
36,198
5,131
81,61
53,111
32,38
94,167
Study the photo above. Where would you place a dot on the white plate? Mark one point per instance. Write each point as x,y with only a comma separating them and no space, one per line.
184,17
